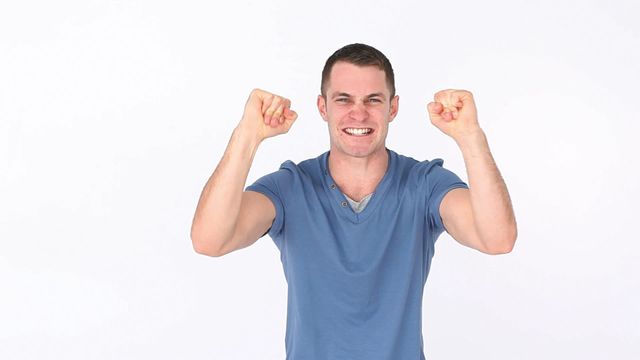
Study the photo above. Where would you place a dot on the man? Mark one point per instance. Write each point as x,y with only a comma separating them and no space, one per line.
355,226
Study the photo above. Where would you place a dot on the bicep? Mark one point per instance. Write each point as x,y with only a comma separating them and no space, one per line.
257,213
457,217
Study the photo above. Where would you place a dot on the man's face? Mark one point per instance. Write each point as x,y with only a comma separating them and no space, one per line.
357,109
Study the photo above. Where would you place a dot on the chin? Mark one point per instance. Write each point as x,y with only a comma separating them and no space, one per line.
358,152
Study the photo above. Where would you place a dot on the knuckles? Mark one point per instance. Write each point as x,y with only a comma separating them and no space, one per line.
444,95
267,97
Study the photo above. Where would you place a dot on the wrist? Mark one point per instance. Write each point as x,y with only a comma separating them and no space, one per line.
473,141
247,138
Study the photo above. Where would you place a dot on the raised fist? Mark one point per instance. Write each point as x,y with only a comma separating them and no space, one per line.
454,113
267,114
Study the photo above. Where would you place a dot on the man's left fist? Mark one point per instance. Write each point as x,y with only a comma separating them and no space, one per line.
454,113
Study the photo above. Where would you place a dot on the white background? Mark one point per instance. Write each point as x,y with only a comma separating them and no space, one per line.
113,114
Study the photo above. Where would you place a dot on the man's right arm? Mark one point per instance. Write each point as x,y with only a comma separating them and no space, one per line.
228,218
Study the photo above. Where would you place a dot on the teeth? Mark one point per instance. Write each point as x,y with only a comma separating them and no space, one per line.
357,131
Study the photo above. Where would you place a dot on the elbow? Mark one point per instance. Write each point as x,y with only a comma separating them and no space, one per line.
205,246
499,250
206,250
503,243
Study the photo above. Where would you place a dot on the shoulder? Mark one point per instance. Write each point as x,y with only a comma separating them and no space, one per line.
405,162
309,168
289,173
417,171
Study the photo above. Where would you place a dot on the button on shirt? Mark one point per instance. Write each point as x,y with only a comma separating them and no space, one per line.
358,206
355,279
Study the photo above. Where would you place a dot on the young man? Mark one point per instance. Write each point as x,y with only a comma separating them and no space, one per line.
355,226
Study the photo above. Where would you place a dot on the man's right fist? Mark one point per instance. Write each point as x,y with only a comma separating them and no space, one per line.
266,114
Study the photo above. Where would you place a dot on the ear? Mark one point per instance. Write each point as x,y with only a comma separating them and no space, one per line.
322,107
393,109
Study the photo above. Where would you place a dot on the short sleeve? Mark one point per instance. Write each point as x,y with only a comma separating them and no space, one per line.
272,186
439,182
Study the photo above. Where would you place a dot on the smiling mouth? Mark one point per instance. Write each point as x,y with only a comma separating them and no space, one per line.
358,131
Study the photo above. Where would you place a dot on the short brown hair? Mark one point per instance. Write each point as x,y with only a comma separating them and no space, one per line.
361,55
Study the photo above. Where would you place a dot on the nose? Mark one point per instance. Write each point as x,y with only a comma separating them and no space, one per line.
358,111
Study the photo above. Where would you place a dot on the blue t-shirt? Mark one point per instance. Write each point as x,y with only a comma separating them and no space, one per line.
355,280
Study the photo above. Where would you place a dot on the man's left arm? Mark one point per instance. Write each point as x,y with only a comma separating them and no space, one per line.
482,216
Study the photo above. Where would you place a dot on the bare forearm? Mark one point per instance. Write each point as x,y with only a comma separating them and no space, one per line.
215,223
492,210
219,205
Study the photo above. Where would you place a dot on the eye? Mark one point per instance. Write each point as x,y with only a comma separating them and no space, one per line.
342,100
376,100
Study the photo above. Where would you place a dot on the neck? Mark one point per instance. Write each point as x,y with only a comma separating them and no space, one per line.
358,176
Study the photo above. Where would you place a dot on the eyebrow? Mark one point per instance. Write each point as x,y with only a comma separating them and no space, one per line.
339,94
